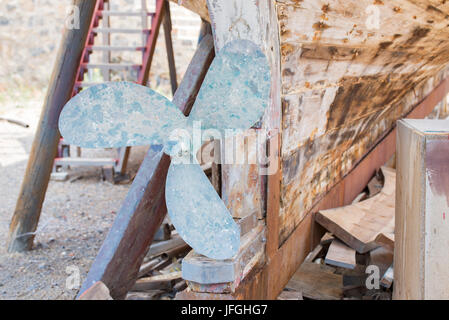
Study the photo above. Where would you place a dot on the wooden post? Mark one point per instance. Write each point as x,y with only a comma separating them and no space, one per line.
40,163
143,210
421,256
169,47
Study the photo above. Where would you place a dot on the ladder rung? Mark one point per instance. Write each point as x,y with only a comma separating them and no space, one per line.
111,66
126,13
112,30
94,162
115,48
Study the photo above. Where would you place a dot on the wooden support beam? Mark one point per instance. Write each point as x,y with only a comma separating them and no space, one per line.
40,163
142,212
422,211
169,46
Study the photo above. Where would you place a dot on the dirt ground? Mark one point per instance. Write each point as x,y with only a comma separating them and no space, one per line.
75,219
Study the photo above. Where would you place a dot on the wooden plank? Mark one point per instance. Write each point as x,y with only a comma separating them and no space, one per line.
388,278
202,270
45,144
317,282
422,199
117,264
340,255
358,224
163,281
386,240
327,239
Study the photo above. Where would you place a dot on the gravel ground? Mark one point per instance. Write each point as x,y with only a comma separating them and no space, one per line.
75,219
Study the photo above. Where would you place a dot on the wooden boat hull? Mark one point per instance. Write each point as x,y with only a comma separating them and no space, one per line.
343,72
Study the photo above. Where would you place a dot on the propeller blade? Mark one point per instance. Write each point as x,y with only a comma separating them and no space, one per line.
198,213
119,114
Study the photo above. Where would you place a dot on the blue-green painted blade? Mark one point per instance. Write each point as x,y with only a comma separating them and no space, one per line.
118,114
236,89
198,213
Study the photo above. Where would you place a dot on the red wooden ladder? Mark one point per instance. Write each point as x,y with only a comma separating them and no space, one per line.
149,34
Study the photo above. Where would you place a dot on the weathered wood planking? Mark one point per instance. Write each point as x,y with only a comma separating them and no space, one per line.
359,224
344,80
345,83
422,207
117,264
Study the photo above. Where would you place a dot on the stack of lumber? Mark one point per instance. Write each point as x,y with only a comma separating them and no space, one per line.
354,259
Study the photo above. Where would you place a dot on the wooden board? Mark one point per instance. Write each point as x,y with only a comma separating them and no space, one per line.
223,276
358,224
422,198
386,240
163,281
340,255
317,282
